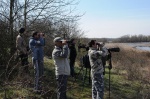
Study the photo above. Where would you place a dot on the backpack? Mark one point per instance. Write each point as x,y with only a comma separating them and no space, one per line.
86,62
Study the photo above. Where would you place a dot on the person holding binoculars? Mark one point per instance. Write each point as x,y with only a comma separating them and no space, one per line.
97,68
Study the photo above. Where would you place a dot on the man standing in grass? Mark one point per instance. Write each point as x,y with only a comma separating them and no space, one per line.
95,57
22,50
36,45
62,68
72,57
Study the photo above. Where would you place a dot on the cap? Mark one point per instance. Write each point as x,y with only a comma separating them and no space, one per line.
57,39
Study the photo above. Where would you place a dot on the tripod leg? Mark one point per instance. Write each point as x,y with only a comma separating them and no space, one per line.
78,73
84,78
89,75
109,83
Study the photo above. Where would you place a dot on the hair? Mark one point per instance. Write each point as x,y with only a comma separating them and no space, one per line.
92,42
34,33
72,40
21,30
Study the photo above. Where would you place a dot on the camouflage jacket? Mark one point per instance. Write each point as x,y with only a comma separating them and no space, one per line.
95,60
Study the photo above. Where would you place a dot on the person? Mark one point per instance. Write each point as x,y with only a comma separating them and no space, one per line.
97,69
72,57
22,50
35,44
62,69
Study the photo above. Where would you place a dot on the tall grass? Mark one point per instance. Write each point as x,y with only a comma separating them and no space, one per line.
134,65
130,78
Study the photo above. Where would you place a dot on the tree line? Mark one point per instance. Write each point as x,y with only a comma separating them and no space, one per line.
134,38
126,39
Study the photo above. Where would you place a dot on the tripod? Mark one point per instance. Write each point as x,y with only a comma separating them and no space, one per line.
109,67
84,70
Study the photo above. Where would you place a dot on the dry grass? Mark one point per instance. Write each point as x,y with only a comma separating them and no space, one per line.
132,62
130,78
134,66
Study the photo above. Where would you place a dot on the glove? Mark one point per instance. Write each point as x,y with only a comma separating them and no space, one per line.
38,42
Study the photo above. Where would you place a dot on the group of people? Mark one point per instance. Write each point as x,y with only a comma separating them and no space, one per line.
35,46
64,56
60,55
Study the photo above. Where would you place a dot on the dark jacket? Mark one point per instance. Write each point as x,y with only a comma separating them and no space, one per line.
73,52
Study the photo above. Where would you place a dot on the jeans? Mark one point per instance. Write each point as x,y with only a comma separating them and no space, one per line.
38,67
24,62
61,86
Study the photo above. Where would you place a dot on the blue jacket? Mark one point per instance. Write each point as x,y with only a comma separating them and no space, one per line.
36,48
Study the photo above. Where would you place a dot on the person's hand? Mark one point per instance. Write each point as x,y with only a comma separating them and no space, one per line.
38,42
64,42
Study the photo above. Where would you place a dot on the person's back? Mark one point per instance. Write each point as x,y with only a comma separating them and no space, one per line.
72,57
20,44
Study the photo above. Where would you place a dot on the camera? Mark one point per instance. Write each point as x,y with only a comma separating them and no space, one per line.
100,44
83,46
117,49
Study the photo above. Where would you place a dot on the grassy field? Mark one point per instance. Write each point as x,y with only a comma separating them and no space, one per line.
130,79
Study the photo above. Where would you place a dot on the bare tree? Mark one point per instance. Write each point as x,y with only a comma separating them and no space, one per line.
29,14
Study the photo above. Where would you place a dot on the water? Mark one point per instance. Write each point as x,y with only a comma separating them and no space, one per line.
141,46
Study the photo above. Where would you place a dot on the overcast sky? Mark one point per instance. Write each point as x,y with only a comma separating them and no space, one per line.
114,18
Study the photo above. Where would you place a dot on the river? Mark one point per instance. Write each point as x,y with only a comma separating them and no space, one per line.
142,46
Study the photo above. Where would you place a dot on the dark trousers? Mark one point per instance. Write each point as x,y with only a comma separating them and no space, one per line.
24,62
61,86
72,72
